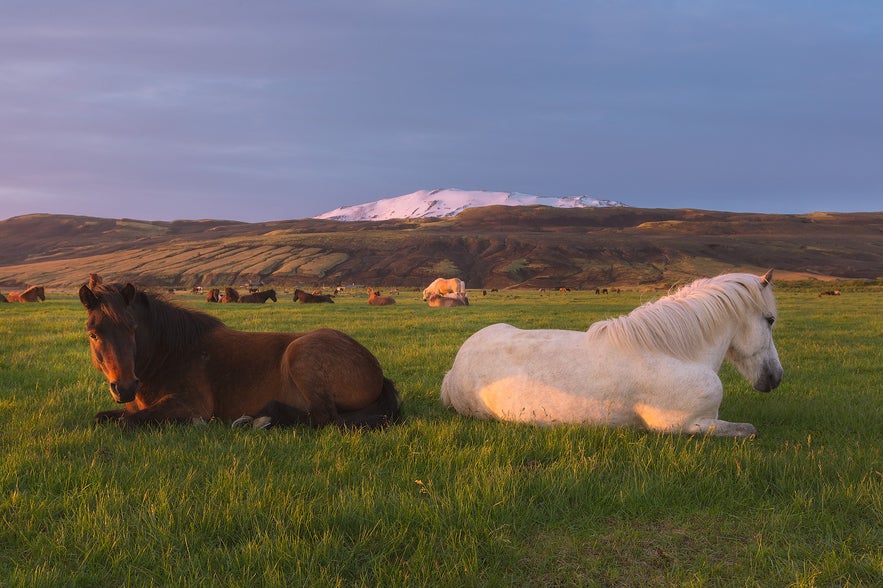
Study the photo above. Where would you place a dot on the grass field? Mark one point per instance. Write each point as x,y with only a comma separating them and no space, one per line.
442,500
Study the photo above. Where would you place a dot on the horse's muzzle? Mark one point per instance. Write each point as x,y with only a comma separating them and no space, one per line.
770,379
123,394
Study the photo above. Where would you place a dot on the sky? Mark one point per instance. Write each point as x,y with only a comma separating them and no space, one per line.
277,109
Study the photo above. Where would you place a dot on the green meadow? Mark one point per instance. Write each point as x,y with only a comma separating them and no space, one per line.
442,500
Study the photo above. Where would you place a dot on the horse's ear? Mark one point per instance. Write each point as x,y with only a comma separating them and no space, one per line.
88,298
128,293
766,279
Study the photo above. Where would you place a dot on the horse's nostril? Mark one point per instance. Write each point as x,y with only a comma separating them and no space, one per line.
122,393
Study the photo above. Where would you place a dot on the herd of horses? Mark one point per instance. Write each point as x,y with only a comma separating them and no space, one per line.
443,292
654,368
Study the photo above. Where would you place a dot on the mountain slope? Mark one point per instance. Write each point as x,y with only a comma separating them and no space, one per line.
497,246
451,202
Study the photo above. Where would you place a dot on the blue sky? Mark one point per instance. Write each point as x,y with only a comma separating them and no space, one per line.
277,110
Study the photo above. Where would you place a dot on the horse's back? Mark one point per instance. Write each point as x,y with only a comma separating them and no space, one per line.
502,364
248,369
332,361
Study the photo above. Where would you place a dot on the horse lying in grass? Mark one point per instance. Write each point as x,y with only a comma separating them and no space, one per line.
375,299
655,368
259,297
447,300
307,298
167,363
32,294
230,295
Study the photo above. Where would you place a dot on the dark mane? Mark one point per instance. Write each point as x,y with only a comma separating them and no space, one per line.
175,333
181,326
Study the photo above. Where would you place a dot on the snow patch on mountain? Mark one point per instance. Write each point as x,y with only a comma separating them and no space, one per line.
450,202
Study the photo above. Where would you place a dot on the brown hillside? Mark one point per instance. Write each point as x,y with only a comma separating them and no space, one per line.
488,247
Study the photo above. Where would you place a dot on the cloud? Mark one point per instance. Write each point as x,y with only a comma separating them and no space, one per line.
254,111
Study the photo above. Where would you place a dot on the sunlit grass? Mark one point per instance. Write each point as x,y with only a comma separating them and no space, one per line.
440,499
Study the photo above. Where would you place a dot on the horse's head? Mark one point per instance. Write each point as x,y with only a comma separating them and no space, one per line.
111,329
752,350
272,295
41,293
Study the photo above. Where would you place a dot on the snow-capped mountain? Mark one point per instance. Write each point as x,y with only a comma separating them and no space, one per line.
450,202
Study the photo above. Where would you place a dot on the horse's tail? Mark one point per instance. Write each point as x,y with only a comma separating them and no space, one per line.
386,410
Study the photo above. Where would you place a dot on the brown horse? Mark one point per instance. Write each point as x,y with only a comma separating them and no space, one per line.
168,363
230,295
307,298
375,299
32,294
214,295
259,297
448,300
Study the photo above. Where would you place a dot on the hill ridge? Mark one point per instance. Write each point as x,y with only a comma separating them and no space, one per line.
496,246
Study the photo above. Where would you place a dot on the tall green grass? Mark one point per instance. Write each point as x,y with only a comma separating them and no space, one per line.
442,500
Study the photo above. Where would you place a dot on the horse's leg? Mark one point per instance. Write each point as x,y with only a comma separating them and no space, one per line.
719,428
108,415
274,414
688,408
384,411
168,409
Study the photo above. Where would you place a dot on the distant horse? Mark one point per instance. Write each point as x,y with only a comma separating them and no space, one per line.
32,294
230,295
307,298
214,295
448,300
442,286
375,299
168,363
654,368
259,297
829,293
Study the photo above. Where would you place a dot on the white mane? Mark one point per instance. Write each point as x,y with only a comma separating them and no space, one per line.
682,323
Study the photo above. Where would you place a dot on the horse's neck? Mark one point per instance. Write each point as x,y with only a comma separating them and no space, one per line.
680,338
162,344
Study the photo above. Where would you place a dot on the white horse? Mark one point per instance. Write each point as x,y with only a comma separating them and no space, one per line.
442,286
656,367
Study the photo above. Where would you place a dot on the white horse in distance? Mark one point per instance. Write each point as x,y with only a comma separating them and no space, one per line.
655,368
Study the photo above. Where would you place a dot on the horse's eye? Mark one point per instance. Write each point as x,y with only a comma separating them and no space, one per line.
770,320
93,335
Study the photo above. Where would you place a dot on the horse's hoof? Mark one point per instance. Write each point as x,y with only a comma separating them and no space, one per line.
263,422
242,421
